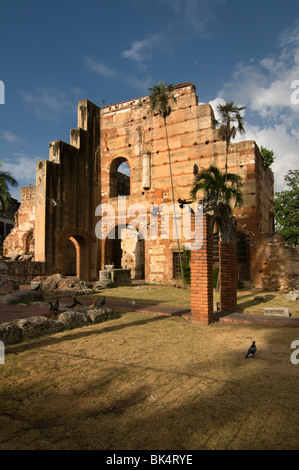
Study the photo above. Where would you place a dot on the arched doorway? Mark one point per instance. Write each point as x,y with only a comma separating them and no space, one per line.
76,257
29,243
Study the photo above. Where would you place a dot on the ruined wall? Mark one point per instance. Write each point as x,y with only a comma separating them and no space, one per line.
67,192
273,264
21,238
81,175
131,133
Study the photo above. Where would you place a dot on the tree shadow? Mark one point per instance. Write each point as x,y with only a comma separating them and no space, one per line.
252,303
77,334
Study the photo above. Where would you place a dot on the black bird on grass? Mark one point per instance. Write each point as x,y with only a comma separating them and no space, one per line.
251,351
75,302
103,302
54,307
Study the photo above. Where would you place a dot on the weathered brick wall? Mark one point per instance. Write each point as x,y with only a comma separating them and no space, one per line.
79,176
25,271
201,288
273,264
228,277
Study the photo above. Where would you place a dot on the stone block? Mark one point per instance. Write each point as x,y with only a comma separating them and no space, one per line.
277,311
97,315
10,333
73,319
34,327
292,295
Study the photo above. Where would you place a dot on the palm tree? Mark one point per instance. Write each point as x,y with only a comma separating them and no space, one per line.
231,122
6,180
218,186
160,103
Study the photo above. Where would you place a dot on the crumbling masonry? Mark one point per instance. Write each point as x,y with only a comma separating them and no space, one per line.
57,217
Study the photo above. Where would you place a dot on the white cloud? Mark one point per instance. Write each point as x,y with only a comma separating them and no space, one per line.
49,102
100,68
264,86
140,51
23,168
10,137
195,14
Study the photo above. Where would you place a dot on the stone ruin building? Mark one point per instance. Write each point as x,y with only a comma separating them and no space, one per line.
120,150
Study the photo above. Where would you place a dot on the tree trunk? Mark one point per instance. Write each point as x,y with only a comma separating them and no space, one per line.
174,212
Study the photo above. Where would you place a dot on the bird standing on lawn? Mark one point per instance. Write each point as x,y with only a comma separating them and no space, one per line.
134,304
251,351
54,307
103,302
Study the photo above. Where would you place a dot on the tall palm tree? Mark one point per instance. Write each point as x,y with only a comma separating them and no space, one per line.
160,97
6,180
231,122
218,186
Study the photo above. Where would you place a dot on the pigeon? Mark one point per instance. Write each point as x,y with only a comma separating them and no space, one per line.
103,302
251,350
54,307
75,302
134,304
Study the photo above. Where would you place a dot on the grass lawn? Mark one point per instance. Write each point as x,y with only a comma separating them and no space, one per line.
150,382
169,296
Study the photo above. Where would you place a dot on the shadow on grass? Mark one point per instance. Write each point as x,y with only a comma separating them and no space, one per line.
252,303
77,334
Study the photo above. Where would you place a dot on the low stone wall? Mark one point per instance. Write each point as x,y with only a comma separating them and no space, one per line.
24,329
25,271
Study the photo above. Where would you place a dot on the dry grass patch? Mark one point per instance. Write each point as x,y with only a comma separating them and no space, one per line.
173,297
151,382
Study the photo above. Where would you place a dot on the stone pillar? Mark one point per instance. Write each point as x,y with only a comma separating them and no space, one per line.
146,173
202,277
228,277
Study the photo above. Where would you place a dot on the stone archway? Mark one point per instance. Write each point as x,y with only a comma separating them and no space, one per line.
202,267
76,257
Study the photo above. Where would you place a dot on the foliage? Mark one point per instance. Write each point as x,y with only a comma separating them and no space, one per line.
286,206
6,180
215,276
186,257
231,122
267,157
220,186
159,99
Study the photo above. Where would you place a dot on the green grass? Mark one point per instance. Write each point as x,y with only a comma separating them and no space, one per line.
175,297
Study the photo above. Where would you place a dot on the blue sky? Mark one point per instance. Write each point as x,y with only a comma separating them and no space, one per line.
53,54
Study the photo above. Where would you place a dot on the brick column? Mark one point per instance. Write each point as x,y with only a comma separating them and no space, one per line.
228,277
202,278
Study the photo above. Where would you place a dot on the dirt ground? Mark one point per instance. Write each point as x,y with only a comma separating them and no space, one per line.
152,382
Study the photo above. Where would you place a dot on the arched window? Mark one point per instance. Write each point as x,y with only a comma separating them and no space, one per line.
119,177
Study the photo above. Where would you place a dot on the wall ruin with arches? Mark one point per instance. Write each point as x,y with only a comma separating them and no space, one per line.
89,171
